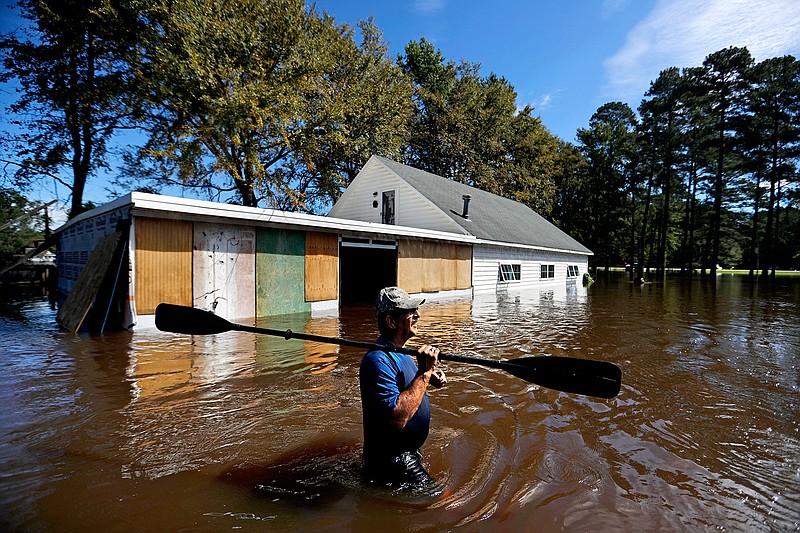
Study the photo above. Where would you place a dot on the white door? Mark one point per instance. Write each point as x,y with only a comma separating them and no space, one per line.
224,270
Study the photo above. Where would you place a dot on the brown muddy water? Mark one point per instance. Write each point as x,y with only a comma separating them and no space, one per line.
151,431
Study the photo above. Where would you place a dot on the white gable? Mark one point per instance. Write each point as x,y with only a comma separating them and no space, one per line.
412,208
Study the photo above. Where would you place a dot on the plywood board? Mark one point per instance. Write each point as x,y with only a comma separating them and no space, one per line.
163,263
463,267
224,269
409,265
80,299
280,272
322,266
430,267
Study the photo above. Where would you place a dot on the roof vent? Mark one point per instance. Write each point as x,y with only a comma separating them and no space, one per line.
466,198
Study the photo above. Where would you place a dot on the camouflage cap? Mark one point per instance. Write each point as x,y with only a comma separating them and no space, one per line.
392,298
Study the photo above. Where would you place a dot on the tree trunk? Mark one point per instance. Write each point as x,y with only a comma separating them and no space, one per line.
768,231
718,190
692,221
754,236
645,214
667,192
81,122
776,240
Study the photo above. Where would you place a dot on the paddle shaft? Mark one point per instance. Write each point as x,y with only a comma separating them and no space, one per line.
568,374
289,334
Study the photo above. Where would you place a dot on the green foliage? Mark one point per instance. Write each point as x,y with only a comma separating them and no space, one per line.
227,84
70,64
364,109
572,185
772,142
267,99
467,128
14,238
714,147
280,105
609,145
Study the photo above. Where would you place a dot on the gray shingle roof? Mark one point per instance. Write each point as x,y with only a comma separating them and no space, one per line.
491,217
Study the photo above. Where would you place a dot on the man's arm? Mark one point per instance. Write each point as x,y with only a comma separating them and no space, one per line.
410,399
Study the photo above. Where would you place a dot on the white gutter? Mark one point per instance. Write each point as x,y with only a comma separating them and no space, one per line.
159,206
532,247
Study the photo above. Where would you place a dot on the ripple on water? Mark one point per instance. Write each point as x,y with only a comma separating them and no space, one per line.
701,437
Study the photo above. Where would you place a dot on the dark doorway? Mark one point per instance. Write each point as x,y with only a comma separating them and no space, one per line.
364,272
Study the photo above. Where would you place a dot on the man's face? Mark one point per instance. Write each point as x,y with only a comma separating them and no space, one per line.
406,323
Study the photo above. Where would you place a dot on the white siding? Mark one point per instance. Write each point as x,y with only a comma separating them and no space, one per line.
78,241
486,261
412,209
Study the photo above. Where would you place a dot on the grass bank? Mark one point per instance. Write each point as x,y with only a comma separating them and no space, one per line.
723,271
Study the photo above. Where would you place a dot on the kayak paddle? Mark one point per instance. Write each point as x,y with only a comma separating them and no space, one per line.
567,374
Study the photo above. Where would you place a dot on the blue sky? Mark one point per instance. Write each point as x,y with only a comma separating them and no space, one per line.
567,57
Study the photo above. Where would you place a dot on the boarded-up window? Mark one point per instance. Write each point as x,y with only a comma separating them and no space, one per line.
224,269
163,263
322,266
424,266
280,272
409,265
463,266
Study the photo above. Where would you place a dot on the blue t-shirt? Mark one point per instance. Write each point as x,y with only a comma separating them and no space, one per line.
383,376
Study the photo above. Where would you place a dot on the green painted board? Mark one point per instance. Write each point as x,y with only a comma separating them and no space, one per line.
280,272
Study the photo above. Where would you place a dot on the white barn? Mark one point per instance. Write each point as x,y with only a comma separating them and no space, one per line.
514,249
394,225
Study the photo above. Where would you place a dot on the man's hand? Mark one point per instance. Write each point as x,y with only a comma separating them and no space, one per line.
426,358
438,379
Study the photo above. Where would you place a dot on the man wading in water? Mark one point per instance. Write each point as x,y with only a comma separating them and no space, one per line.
395,405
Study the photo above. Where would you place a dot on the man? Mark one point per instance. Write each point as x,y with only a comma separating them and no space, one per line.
394,401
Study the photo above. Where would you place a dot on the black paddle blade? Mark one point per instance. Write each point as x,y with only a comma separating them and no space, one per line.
182,319
569,374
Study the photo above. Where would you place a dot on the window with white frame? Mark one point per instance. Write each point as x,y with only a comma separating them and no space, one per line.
509,272
548,271
572,271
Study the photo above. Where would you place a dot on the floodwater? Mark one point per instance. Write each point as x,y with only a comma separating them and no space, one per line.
152,431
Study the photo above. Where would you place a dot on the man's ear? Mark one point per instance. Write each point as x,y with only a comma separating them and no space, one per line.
390,321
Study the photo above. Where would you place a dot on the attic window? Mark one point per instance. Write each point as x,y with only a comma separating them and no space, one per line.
387,208
509,272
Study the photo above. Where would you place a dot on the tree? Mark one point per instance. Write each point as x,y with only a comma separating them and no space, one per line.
252,98
646,169
365,110
720,98
610,150
460,117
71,64
716,147
774,134
16,229
467,127
534,158
227,86
662,109
571,211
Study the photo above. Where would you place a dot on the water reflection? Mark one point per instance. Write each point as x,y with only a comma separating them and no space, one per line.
169,432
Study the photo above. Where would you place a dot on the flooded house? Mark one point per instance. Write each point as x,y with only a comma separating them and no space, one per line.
514,247
394,225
